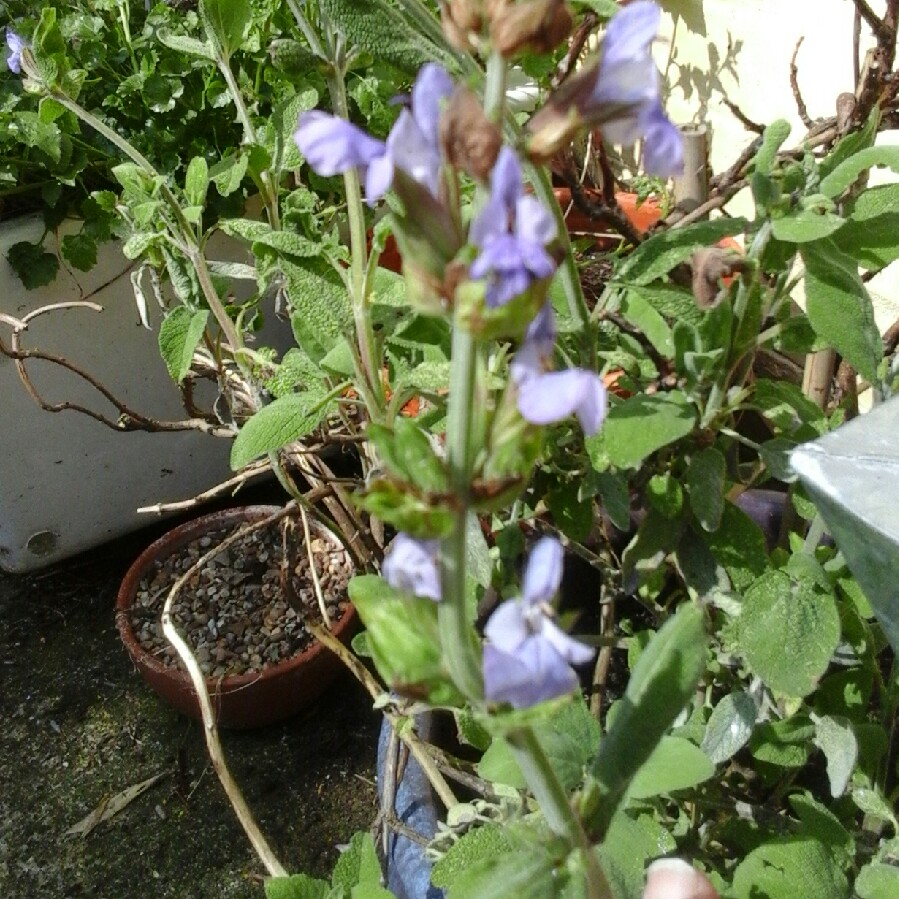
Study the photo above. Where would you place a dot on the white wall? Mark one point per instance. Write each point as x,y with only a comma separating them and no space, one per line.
745,56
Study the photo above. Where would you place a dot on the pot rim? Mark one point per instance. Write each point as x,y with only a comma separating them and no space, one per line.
170,543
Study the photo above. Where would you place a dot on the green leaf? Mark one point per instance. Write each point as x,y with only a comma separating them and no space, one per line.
287,242
805,225
357,864
851,143
661,684
615,498
637,309
839,306
320,306
729,727
138,244
377,27
675,764
872,802
225,22
282,421
179,335
228,173
871,235
181,43
404,639
663,251
297,886
486,843
822,824
31,131
834,737
847,173
80,251
877,881
772,139
407,453
739,545
285,155
629,844
705,484
569,738
196,181
35,267
572,514
775,870
784,743
807,625
643,424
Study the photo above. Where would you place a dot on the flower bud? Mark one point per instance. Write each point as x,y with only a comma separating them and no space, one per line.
538,26
462,21
673,878
470,141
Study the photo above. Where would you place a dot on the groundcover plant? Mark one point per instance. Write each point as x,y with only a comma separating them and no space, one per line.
717,691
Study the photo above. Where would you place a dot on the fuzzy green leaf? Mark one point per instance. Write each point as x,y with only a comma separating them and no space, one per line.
729,727
297,886
281,422
643,424
705,483
481,844
807,625
179,336
806,225
774,870
871,235
877,881
839,306
659,254
847,173
225,22
675,764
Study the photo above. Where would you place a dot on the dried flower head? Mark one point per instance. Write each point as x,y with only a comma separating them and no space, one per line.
538,26
470,141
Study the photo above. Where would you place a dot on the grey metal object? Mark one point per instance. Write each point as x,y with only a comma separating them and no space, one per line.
852,475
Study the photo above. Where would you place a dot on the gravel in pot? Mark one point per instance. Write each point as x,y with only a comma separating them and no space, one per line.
248,634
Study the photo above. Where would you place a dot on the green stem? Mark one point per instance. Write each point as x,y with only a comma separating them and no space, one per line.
553,801
266,186
315,45
358,249
457,635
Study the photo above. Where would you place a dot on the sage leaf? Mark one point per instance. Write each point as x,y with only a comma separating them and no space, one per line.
839,306
705,484
297,886
775,869
675,764
877,881
834,737
179,335
283,421
847,172
807,626
729,727
643,424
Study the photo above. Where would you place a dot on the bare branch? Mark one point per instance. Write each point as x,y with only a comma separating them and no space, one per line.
877,25
794,86
744,119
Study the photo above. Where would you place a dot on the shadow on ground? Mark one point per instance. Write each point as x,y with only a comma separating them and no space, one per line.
78,725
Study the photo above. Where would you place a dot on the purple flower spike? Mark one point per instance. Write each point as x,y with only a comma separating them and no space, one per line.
547,397
528,658
332,145
512,231
411,566
16,45
627,75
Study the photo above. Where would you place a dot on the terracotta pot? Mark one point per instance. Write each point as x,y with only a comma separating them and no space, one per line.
641,215
241,701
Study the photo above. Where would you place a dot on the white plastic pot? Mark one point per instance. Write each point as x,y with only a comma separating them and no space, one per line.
68,483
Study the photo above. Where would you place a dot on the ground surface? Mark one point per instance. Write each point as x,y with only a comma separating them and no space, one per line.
77,724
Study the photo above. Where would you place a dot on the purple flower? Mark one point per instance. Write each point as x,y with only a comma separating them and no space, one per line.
332,145
527,658
627,74
512,231
547,397
16,45
411,566
620,95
